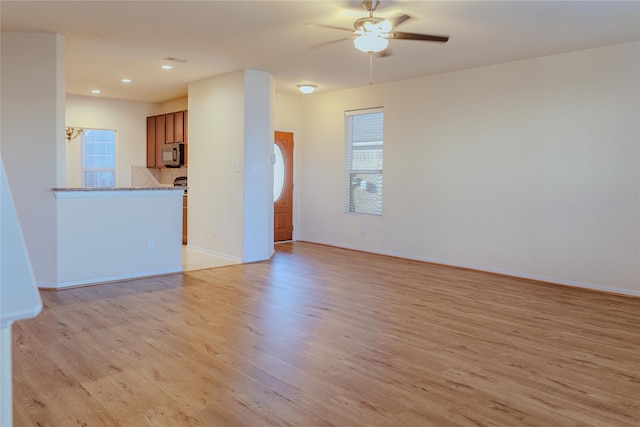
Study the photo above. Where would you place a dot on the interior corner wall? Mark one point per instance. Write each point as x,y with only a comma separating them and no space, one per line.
216,161
174,105
32,138
258,171
528,168
127,118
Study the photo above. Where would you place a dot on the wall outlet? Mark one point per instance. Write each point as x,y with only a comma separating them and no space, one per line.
363,229
150,246
214,232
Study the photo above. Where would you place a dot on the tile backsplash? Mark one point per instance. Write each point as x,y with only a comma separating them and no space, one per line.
167,175
141,176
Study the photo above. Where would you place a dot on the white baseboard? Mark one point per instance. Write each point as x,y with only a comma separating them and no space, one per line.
107,279
213,253
540,278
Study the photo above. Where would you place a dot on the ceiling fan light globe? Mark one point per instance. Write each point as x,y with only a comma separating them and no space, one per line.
370,43
385,26
369,26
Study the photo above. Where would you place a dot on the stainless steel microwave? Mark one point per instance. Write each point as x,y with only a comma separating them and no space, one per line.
173,155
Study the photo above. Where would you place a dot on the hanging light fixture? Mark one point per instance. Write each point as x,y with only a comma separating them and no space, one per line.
372,32
306,88
72,133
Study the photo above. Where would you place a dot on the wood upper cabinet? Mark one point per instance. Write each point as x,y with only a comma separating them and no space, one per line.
170,128
151,142
179,126
176,127
165,129
182,132
160,139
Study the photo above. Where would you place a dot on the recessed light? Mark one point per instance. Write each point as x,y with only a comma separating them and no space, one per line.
166,67
95,91
126,80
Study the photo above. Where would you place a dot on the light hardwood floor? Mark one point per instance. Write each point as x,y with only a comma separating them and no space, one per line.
321,336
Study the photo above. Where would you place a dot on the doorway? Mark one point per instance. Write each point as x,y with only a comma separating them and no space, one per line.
283,187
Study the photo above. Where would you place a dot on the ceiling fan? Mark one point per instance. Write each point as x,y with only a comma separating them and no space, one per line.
373,33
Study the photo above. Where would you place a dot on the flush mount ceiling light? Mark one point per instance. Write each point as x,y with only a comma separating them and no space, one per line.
96,91
126,80
306,88
166,67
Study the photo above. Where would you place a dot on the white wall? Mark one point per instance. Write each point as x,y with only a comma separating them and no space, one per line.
230,130
287,114
127,118
258,171
117,248
174,105
528,168
216,150
32,138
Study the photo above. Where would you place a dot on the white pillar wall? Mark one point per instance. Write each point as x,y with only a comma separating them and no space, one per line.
258,171
230,173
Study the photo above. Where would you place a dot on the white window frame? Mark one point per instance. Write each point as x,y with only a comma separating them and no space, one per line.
85,169
349,186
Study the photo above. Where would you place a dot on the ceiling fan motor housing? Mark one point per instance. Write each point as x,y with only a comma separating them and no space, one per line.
370,5
370,24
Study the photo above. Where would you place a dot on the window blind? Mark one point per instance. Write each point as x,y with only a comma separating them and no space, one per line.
364,131
99,158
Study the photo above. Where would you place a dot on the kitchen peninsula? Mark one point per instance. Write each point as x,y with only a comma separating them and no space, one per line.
107,234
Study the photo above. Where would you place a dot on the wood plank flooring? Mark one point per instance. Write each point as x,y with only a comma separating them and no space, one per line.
322,336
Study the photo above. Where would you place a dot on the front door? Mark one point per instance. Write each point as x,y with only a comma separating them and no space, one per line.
283,187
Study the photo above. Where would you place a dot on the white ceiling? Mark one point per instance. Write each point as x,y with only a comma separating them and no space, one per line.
109,40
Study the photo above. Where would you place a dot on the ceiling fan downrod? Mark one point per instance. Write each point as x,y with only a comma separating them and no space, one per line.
371,5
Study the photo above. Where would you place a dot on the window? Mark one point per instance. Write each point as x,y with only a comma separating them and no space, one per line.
99,158
363,161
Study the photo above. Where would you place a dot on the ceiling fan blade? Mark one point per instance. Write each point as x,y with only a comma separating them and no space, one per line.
319,45
414,36
398,20
329,27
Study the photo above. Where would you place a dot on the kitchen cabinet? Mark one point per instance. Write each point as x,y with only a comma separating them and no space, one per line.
180,126
175,127
165,129
151,142
160,139
170,126
155,140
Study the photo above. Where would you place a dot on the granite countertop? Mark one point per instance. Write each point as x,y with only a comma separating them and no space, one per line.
167,187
